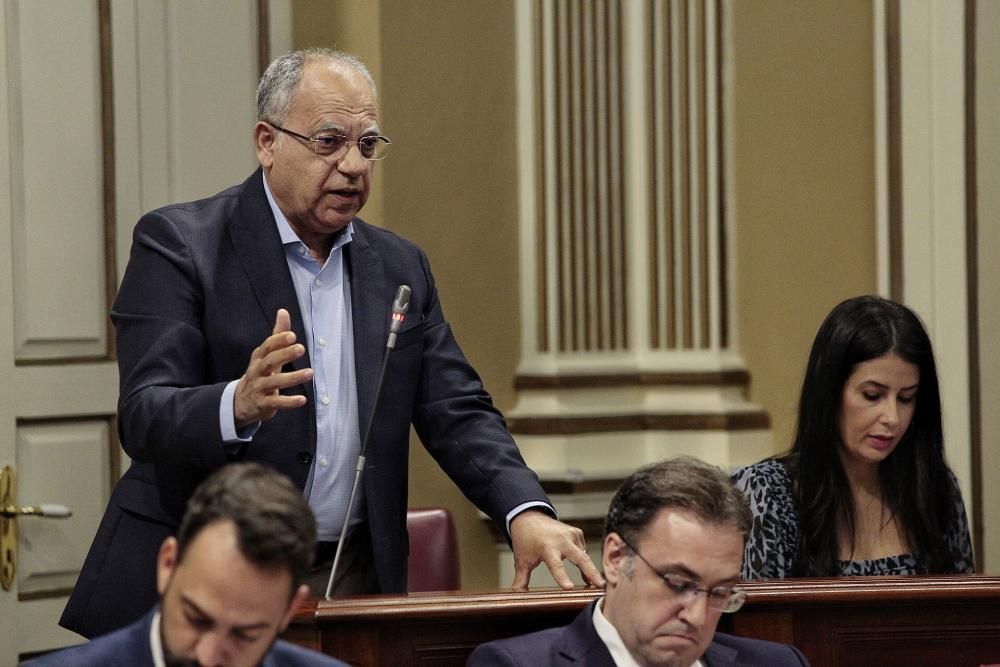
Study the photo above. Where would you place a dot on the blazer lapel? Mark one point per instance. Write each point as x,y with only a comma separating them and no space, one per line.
718,655
258,246
581,641
371,304
139,637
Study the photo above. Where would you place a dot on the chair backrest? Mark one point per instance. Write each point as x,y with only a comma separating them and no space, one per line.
433,563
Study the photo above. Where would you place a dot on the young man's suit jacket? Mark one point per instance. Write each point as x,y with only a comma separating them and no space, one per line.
130,647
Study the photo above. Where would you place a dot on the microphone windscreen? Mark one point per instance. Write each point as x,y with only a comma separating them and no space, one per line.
402,302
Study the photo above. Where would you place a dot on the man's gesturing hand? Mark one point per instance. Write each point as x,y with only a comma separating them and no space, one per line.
538,538
258,396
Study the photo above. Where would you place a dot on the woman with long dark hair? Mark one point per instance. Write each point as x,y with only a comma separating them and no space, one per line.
865,489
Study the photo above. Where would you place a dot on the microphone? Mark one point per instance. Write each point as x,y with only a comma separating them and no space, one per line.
400,306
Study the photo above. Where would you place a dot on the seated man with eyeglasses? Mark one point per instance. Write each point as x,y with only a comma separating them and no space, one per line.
672,554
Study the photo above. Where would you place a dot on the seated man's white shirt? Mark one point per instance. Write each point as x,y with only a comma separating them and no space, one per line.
616,647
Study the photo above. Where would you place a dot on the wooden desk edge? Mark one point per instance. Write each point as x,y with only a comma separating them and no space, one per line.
775,593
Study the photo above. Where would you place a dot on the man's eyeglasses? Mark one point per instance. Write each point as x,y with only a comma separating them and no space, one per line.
328,144
726,599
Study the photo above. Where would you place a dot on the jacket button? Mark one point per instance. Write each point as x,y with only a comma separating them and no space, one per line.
305,458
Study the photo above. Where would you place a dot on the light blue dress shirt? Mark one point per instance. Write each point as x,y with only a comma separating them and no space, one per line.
324,296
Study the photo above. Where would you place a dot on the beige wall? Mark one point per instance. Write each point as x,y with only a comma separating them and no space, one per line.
802,114
801,162
988,175
449,79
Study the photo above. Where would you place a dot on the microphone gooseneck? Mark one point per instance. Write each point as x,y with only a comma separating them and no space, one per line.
400,305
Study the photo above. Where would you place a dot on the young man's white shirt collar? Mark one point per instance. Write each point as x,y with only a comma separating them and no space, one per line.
155,645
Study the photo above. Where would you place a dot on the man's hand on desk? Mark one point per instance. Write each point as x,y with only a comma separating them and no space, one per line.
536,538
258,396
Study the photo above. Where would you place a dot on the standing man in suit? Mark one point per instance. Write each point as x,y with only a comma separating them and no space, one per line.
229,582
252,325
673,549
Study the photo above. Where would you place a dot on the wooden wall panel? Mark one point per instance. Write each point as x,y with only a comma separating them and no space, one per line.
68,463
57,196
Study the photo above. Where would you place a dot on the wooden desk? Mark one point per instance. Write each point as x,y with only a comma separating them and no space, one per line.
841,622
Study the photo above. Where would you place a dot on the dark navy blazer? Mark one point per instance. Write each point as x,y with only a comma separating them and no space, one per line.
203,285
129,647
579,644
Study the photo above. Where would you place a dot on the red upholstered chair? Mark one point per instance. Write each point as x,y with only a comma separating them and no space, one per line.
433,564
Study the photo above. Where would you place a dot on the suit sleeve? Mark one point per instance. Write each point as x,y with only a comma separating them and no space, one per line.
168,407
797,655
460,427
491,655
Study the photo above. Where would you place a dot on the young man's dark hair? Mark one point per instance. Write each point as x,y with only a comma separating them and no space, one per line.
274,525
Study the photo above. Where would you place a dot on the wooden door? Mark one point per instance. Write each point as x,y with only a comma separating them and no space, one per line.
57,398
108,108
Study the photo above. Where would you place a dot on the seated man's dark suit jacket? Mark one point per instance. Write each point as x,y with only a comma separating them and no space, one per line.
579,644
129,647
202,288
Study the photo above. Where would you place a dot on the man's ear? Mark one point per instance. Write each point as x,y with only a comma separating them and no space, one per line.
264,137
166,563
613,555
293,606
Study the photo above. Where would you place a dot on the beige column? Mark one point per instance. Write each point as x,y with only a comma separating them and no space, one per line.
628,349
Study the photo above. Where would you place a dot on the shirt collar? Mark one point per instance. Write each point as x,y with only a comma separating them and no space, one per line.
616,647
155,644
609,635
288,235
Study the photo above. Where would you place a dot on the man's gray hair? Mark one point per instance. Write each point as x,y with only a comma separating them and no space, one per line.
282,76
